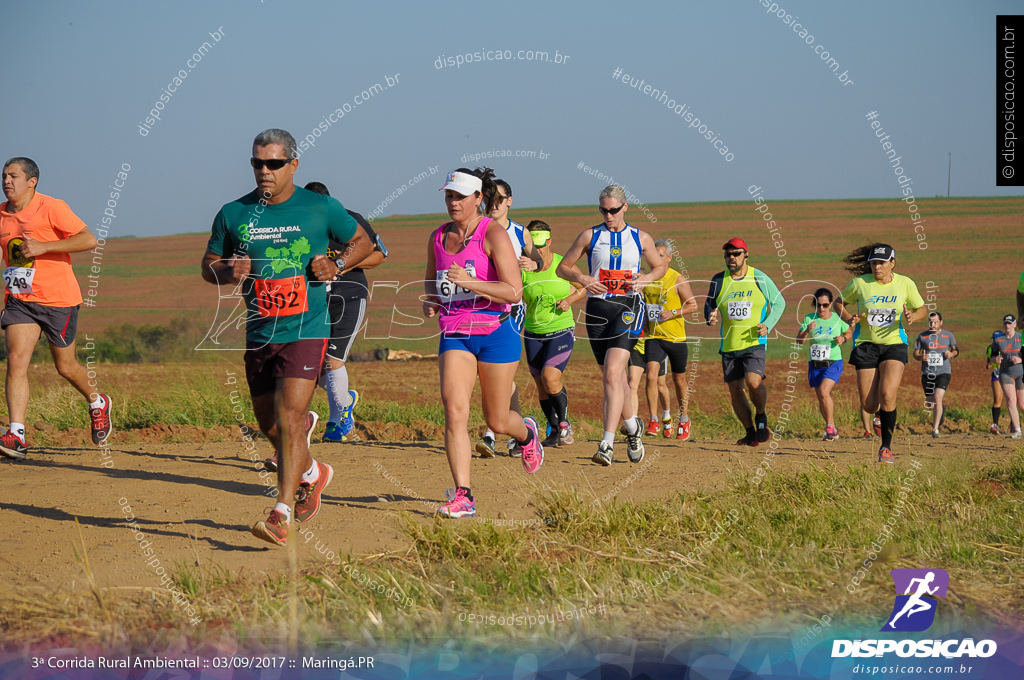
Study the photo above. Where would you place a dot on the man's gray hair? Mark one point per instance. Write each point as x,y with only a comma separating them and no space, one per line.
278,136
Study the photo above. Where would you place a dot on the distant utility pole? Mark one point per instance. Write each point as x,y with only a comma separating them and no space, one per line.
949,173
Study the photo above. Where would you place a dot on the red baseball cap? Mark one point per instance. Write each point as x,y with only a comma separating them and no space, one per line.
736,243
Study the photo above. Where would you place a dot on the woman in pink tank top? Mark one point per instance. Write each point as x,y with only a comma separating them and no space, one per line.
472,277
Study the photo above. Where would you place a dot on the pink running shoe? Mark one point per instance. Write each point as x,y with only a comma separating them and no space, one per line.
459,505
533,453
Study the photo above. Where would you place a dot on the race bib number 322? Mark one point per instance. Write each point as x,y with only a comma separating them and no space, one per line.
281,297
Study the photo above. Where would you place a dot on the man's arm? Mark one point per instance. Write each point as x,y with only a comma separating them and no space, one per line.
83,240
216,269
776,303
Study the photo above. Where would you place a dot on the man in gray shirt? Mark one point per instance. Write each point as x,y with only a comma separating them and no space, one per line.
935,348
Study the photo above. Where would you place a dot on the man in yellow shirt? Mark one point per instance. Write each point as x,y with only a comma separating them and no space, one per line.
668,300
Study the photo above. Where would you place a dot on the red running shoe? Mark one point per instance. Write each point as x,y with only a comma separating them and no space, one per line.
12,446
273,530
100,417
307,499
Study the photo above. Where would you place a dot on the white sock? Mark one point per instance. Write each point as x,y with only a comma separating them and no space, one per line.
312,474
666,415
337,392
489,434
285,512
608,438
98,403
630,425
19,429
684,419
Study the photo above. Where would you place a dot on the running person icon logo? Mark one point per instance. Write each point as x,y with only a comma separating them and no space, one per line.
914,610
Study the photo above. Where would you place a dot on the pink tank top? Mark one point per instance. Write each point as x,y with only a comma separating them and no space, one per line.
455,300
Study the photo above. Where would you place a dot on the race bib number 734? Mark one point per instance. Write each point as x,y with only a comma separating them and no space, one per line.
281,297
881,318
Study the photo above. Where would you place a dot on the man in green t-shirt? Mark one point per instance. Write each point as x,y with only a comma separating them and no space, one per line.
264,243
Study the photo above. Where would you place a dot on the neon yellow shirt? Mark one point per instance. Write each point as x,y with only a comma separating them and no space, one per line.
882,307
662,295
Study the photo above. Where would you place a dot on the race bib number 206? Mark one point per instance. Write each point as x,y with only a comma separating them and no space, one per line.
739,311
281,297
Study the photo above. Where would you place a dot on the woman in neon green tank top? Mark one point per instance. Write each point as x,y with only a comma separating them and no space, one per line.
549,332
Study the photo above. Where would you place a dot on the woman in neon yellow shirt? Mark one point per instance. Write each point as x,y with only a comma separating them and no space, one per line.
887,303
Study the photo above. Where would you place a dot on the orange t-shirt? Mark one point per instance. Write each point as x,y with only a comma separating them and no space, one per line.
49,276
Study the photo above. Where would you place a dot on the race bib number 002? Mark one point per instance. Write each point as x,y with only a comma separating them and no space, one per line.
281,297
820,352
617,281
19,279
881,318
452,292
739,311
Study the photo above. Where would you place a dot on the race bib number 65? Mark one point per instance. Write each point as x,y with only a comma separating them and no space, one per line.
19,279
281,297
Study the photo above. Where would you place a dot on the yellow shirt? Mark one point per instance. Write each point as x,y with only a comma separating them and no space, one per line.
662,295
882,307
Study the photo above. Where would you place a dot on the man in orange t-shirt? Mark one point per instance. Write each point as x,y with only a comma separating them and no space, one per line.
37,235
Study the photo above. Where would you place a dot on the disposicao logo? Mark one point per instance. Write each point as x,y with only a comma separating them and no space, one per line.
913,612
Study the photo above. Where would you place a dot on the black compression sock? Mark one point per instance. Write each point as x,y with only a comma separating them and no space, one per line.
560,402
888,419
548,407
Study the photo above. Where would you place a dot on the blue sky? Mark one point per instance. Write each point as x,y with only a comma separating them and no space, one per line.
81,77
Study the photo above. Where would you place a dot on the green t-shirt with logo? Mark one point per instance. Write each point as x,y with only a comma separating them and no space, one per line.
824,336
281,239
541,292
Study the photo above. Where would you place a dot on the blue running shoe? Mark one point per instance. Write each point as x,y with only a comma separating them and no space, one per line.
348,422
332,433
